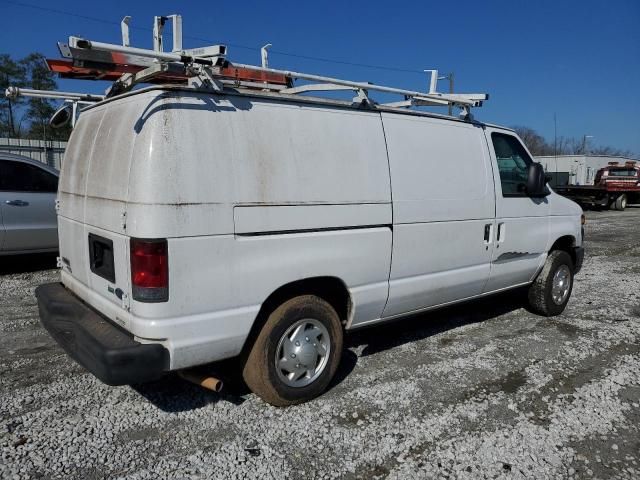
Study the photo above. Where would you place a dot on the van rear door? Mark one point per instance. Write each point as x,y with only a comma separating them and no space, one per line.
94,188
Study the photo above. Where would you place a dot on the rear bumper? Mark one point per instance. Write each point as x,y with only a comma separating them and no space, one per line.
104,349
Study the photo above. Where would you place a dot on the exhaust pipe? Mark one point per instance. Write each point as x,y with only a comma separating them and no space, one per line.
207,381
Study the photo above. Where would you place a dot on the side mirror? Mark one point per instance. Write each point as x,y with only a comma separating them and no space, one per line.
61,117
536,181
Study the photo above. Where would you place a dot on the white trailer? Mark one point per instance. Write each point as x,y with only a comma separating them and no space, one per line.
576,169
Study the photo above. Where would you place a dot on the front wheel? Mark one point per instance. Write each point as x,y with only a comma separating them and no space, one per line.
550,292
297,352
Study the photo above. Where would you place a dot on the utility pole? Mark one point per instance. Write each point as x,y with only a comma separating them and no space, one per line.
584,144
555,143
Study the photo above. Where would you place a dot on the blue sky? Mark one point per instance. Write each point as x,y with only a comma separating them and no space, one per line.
577,59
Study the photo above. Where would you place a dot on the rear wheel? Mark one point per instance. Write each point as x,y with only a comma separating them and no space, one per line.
621,202
550,292
297,352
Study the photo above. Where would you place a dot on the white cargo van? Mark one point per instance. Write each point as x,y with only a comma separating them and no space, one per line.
201,225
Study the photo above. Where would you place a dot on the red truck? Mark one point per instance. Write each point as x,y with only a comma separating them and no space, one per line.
614,186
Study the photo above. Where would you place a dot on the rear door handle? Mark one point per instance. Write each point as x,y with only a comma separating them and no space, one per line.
17,203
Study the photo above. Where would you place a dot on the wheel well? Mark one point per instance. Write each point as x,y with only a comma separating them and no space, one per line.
566,244
331,289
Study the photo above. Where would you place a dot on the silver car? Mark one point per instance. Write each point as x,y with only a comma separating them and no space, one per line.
27,206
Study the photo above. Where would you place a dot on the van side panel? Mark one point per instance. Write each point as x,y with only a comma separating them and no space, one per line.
285,218
443,196
196,158
221,282
251,194
560,222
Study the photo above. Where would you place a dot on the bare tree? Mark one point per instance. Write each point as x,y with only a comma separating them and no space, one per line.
606,150
535,142
538,145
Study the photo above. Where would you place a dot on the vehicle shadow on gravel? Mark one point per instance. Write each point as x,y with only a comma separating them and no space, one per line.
27,263
420,326
173,394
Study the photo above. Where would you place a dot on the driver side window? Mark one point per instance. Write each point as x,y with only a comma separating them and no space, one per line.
513,164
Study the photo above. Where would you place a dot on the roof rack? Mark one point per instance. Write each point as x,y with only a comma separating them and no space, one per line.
68,113
208,68
14,92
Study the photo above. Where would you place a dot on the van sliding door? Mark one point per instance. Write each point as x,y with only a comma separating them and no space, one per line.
443,211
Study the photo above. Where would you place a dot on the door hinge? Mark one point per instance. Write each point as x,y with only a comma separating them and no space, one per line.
125,302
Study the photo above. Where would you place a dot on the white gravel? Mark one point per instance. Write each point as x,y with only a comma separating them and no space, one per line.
484,390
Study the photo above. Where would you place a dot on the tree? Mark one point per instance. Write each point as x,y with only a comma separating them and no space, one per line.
606,150
34,113
12,73
535,142
40,110
539,146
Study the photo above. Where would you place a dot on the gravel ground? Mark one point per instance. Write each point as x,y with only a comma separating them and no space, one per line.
483,390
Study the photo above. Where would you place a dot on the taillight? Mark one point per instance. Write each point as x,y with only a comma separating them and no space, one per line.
149,270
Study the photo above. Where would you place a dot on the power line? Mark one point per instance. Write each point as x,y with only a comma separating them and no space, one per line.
344,62
53,10
245,47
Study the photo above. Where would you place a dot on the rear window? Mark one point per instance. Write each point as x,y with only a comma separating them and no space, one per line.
623,172
24,177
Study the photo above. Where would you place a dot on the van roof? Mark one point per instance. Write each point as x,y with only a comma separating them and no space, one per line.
304,99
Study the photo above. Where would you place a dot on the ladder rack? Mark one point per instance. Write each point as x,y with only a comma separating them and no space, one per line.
208,68
87,98
68,113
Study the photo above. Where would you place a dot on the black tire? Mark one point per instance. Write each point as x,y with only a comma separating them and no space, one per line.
259,370
621,202
540,292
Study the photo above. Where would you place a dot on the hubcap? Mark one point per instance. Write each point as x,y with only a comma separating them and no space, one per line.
303,352
561,285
